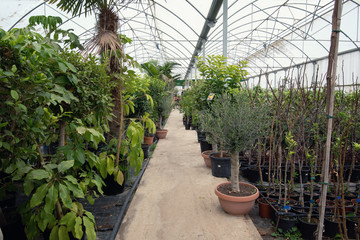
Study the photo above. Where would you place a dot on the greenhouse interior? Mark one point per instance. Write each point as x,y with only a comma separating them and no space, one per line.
164,119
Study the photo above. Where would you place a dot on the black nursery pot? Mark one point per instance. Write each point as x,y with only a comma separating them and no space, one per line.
331,228
253,174
204,145
112,187
201,135
287,221
220,166
145,149
351,224
307,229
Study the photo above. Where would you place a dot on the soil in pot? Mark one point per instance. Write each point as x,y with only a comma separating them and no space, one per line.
206,156
237,203
204,145
220,166
306,228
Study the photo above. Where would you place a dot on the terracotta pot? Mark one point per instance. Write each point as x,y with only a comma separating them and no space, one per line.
236,205
206,156
149,140
265,209
161,133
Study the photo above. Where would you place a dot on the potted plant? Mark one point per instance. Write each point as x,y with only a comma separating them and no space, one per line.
237,131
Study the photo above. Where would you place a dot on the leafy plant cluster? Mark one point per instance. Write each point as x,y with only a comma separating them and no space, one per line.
55,143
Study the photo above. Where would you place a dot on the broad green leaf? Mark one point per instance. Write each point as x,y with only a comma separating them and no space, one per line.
63,233
90,216
45,219
65,195
51,198
54,235
38,174
3,124
89,229
14,95
72,179
65,165
28,186
68,220
75,188
62,67
110,165
120,178
79,155
78,232
81,130
39,195
103,168
90,199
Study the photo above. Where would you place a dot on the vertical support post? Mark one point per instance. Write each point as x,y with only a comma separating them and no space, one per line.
203,52
330,79
314,72
225,26
275,80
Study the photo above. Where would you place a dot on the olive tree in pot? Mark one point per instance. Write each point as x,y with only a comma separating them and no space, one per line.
238,125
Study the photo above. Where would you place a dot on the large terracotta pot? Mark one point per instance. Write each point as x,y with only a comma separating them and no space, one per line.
236,205
206,156
149,140
161,133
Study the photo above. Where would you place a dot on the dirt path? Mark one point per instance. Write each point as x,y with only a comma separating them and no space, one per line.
175,198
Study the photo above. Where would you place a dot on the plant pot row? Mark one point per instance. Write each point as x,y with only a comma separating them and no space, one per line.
297,216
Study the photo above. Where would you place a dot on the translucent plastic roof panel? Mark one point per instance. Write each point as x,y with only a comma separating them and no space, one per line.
270,35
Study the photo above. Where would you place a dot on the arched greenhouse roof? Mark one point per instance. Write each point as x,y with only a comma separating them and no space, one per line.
272,36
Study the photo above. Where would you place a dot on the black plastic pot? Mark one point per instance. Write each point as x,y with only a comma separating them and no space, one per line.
13,228
355,175
253,174
145,149
112,187
305,173
351,224
204,145
220,166
331,228
307,229
287,221
201,135
187,126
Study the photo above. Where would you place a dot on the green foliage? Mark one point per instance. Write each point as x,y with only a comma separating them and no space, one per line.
230,121
292,234
221,77
43,87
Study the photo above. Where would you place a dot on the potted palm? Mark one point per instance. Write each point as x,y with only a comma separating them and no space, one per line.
238,125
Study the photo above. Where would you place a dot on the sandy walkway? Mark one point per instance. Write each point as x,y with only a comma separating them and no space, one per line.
175,198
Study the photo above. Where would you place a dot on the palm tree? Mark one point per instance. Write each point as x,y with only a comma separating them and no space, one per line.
107,43
164,72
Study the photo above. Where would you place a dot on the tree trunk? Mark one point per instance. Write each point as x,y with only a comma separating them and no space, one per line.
114,125
330,77
62,133
235,171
